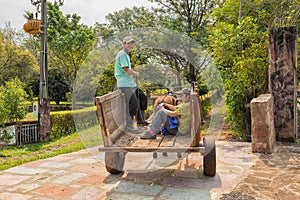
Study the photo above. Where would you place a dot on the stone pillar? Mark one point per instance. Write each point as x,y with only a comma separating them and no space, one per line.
262,124
283,81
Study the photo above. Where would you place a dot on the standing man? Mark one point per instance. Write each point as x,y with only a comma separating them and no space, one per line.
124,75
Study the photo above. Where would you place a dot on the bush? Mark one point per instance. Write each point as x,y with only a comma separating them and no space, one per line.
12,98
68,122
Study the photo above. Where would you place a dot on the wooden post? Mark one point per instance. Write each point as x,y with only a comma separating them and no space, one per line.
195,113
283,81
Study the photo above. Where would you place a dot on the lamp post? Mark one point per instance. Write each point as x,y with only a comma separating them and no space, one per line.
44,101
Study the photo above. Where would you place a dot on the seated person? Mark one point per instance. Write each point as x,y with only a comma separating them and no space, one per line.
166,112
167,98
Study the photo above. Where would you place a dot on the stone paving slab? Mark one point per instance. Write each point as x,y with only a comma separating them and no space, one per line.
82,175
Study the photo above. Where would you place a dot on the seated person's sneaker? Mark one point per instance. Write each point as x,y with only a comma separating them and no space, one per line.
148,135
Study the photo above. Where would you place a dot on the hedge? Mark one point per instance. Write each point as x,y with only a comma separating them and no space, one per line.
68,122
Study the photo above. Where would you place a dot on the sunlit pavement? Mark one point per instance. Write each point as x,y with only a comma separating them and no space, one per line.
82,175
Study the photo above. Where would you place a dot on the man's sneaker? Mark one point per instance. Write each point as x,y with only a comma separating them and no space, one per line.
144,123
131,129
148,135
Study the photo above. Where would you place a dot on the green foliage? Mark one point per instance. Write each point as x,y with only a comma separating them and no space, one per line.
151,73
186,16
30,117
131,19
12,96
57,87
69,44
68,122
211,82
69,96
107,81
15,62
241,53
206,107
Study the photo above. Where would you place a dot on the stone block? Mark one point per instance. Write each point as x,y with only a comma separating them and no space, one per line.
262,124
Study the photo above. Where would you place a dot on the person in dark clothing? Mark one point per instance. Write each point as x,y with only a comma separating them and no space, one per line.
142,107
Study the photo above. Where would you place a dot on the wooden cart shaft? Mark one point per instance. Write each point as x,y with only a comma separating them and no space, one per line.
152,149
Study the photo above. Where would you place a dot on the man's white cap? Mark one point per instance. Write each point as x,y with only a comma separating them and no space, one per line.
128,39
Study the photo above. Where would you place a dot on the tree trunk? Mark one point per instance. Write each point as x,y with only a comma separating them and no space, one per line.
248,118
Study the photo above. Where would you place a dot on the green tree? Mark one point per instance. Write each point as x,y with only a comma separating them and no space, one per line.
131,19
145,24
189,17
57,86
238,44
12,97
69,44
186,16
107,81
15,62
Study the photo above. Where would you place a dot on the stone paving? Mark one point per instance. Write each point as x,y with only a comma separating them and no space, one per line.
274,176
82,175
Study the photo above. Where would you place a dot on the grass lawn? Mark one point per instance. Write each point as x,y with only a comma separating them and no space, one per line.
12,156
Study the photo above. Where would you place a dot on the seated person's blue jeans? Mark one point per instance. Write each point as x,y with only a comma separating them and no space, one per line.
161,119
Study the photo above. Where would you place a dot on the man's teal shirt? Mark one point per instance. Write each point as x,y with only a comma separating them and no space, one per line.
123,79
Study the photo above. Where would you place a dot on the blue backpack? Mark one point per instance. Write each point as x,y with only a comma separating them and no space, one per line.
173,129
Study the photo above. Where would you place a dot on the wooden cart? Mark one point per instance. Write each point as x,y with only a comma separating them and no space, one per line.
117,143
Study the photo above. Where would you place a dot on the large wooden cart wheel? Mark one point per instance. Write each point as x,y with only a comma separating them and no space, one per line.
114,162
209,158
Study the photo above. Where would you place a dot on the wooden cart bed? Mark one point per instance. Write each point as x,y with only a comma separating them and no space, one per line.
111,116
170,143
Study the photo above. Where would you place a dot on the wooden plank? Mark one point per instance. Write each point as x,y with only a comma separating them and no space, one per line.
104,132
117,134
114,112
109,96
152,149
111,115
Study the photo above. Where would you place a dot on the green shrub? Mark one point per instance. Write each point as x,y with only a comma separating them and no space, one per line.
12,98
68,122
